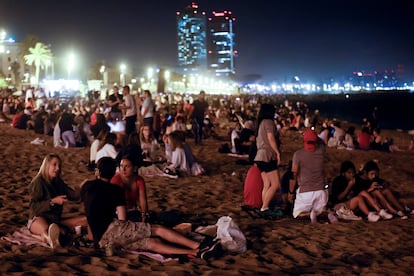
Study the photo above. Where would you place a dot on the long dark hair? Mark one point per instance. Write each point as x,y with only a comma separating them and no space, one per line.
267,111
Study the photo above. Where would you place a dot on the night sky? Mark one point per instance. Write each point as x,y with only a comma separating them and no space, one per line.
276,39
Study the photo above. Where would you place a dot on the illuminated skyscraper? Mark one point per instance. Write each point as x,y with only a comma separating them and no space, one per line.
220,44
191,31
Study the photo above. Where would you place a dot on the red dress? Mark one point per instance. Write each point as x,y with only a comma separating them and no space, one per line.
131,197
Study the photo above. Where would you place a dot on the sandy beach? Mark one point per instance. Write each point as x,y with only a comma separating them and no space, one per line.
282,247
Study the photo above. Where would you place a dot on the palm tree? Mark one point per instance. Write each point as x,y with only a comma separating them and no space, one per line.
39,56
15,66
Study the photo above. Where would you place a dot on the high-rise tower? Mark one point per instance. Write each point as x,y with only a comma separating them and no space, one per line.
220,44
191,30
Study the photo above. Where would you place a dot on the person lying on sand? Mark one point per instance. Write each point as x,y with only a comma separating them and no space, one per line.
105,202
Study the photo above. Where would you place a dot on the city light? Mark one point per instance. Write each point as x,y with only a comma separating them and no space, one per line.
122,69
71,64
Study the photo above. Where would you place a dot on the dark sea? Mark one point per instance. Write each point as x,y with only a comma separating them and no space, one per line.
394,109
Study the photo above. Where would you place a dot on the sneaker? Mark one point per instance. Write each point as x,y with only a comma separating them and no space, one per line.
402,215
408,210
37,141
372,217
346,214
53,234
213,251
270,214
384,215
332,218
169,173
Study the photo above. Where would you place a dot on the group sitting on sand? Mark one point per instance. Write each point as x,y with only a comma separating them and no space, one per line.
116,205
350,194
106,221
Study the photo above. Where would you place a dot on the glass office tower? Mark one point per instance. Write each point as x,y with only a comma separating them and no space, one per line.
191,39
220,44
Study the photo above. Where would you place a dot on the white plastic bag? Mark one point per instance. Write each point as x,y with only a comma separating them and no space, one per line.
231,238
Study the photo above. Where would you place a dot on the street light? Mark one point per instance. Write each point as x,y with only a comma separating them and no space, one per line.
47,65
2,38
122,67
71,64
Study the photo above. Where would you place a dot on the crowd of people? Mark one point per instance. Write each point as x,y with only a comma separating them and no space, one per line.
135,136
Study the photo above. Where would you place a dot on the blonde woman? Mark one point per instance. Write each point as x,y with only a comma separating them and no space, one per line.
48,193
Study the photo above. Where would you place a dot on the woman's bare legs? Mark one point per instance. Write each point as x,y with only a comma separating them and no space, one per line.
358,202
384,202
39,227
271,183
187,246
372,202
388,194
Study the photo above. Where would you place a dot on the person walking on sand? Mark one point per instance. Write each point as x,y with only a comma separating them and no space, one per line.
130,110
309,176
267,156
106,214
48,194
197,113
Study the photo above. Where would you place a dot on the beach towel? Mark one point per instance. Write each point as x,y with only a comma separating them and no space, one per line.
23,236
155,256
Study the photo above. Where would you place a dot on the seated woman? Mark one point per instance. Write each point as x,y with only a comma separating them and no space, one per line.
94,149
99,124
326,132
107,147
179,164
343,194
48,194
235,135
132,147
369,181
149,145
134,187
246,139
338,135
350,139
83,133
179,124
378,143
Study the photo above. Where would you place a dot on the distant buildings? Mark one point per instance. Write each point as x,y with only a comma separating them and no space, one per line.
206,45
220,44
191,38
12,64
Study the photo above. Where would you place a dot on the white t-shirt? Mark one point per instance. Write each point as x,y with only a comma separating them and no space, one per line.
107,150
149,105
179,161
129,101
93,150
